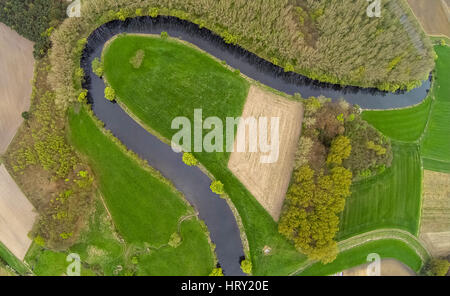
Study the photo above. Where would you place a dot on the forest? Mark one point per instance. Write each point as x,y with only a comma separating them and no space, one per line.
331,41
336,148
33,19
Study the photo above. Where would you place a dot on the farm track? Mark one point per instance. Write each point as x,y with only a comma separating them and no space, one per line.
375,235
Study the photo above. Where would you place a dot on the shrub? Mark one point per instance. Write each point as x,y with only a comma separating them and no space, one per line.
82,96
97,67
217,187
110,94
436,267
189,159
164,35
443,43
153,12
289,68
216,272
380,150
135,260
139,12
39,240
26,115
246,266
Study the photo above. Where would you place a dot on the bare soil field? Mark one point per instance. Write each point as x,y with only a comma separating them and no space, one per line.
268,182
17,65
17,216
435,222
434,15
389,267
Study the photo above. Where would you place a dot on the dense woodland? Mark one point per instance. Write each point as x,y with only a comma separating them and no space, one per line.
336,147
33,19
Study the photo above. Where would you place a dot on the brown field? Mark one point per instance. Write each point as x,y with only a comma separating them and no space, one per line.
16,64
389,267
268,182
17,216
435,220
434,15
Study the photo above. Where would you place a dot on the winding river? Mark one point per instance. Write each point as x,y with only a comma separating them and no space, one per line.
191,181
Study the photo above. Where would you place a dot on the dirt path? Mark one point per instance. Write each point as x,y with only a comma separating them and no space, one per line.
16,216
16,64
268,182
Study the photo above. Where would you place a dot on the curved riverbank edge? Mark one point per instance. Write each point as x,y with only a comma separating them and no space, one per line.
380,234
191,181
191,211
233,208
257,68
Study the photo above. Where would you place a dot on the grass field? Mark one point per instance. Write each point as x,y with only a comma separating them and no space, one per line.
390,200
427,123
183,79
435,146
402,125
388,248
145,209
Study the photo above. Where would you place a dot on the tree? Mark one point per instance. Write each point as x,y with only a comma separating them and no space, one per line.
217,187
189,159
246,266
82,96
97,67
216,272
312,203
340,150
110,94
26,115
164,35
436,267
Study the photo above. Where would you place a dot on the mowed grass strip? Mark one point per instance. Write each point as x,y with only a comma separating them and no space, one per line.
436,142
403,125
173,80
390,200
386,248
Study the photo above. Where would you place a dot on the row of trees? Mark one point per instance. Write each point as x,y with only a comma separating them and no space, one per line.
335,146
33,19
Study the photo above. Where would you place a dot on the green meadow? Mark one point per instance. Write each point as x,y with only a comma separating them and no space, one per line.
173,80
